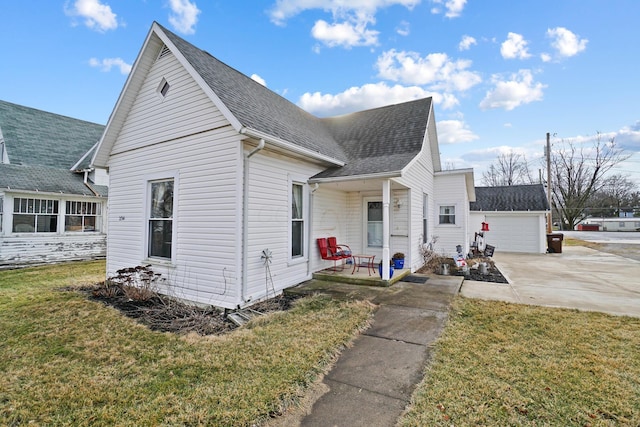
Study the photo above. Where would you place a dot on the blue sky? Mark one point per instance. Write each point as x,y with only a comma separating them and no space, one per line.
501,73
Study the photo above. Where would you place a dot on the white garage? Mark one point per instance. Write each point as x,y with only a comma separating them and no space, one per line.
515,216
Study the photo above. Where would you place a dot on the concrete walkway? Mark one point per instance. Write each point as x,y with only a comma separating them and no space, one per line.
372,381
579,277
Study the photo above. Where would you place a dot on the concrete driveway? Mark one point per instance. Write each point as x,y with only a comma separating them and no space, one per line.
579,277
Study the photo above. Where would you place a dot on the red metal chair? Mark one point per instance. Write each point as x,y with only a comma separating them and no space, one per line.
339,248
326,254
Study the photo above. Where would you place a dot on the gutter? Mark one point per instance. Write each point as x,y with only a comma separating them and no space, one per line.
245,219
277,142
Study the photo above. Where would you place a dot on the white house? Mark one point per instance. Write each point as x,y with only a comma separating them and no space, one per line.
516,217
211,173
52,204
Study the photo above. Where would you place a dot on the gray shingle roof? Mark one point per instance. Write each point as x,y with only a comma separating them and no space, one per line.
380,140
257,107
511,198
38,138
46,180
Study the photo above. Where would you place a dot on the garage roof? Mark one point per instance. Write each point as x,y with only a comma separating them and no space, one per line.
510,198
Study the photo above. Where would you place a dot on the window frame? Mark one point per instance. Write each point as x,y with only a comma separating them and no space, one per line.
146,245
36,205
441,215
304,232
96,207
425,217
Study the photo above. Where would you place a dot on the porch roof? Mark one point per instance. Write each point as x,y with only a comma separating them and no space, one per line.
46,180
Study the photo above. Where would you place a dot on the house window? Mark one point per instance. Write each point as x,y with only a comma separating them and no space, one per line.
297,220
35,215
160,219
447,214
163,88
425,213
82,216
374,224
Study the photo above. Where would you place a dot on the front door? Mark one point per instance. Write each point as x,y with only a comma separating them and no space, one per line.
373,227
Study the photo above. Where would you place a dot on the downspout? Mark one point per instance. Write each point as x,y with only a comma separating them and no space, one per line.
245,219
86,183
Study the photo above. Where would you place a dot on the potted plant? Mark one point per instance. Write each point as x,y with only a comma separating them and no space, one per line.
398,260
390,269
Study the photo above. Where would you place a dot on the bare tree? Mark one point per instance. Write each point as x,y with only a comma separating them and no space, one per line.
510,169
578,173
617,194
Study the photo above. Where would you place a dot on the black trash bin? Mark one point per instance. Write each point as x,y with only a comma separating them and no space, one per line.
554,243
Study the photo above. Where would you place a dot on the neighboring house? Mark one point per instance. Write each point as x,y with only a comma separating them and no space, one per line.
614,224
516,216
50,209
223,186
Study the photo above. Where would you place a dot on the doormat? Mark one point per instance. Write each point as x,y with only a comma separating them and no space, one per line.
415,279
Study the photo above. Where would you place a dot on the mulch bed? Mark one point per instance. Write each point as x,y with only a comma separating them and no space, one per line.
166,314
472,272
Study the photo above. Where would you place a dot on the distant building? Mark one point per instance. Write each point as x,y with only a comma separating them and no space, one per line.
52,204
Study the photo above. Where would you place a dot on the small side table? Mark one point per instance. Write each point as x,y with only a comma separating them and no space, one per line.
367,259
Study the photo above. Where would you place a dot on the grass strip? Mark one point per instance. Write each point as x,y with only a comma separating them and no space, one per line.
66,360
508,364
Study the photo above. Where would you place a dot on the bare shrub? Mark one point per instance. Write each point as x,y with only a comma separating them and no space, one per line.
138,283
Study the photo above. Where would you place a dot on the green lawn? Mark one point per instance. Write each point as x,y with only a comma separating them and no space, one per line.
66,360
500,364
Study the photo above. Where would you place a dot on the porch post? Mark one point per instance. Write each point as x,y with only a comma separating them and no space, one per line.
386,197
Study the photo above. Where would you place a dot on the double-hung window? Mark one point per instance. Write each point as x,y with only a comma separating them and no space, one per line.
297,220
82,216
447,215
160,213
35,215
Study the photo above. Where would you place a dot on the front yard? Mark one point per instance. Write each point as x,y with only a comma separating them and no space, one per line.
66,360
500,364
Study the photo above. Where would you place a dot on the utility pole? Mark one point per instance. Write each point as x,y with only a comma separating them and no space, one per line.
548,153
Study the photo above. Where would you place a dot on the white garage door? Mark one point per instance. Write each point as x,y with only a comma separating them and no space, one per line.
514,233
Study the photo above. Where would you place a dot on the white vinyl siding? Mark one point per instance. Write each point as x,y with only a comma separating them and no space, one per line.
269,222
183,134
451,190
185,111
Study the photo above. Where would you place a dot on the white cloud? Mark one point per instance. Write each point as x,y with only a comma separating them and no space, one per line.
344,34
403,29
466,42
565,42
350,19
545,57
514,47
454,131
259,79
366,97
107,64
184,15
508,94
285,9
96,15
453,7
435,69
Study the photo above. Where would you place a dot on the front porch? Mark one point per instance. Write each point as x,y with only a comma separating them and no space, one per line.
362,276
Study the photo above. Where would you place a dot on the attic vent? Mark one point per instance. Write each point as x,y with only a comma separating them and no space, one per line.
164,52
163,88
